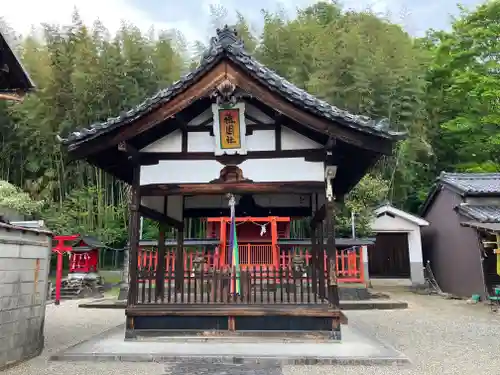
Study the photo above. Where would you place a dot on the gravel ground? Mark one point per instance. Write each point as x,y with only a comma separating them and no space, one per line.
440,336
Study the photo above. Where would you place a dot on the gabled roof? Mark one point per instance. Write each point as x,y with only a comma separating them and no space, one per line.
91,241
483,214
227,45
465,184
472,183
13,77
387,208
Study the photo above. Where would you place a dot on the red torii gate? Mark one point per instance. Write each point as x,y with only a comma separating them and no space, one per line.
60,249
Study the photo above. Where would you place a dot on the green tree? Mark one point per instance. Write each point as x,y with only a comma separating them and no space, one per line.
12,197
464,91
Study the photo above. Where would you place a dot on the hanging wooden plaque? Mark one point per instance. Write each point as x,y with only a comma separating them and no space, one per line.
229,129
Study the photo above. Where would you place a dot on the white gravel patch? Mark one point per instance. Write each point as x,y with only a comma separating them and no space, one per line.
439,336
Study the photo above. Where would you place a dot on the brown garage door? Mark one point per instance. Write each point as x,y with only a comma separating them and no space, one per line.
389,257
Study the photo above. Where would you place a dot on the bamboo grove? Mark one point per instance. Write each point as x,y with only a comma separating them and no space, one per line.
441,89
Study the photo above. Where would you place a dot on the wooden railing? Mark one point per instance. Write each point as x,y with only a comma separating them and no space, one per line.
258,285
349,261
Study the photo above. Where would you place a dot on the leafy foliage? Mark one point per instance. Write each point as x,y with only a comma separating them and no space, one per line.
442,90
12,197
361,201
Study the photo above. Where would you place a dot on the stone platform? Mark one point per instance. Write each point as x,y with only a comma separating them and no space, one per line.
356,347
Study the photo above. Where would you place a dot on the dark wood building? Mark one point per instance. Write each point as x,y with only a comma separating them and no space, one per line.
463,211
233,138
14,80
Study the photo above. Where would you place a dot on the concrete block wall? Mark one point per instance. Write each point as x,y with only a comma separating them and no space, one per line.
24,266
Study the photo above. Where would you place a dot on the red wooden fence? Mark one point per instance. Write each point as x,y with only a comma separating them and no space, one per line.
349,261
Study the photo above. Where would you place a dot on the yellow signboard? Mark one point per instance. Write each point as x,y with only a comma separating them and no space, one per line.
230,136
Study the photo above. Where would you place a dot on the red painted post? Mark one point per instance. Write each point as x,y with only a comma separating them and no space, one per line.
59,270
60,249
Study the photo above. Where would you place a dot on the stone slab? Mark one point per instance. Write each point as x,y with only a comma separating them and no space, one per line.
356,347
374,304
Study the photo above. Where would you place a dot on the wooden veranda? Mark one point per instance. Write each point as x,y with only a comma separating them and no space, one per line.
233,130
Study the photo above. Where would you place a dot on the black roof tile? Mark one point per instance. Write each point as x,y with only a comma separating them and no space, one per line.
472,183
484,214
228,45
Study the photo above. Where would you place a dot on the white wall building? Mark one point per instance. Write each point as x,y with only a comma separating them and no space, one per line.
397,253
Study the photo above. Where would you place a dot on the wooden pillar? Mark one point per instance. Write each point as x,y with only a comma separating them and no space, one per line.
320,260
332,292
134,224
274,242
314,258
222,250
59,272
160,267
179,260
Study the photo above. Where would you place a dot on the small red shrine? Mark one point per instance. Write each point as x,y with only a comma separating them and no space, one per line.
83,253
257,238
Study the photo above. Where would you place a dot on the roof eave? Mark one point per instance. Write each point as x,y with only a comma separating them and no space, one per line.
402,214
30,86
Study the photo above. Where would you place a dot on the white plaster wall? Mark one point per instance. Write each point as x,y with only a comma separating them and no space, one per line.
261,140
291,140
397,224
24,267
249,109
175,207
169,143
258,170
156,203
364,258
386,223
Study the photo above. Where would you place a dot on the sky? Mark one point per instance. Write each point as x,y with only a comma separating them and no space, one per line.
192,17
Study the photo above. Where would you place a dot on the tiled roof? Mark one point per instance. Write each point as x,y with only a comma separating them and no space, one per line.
472,183
484,214
227,44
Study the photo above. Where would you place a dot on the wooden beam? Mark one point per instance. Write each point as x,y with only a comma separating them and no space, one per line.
318,217
159,217
185,309
298,187
312,154
132,153
13,97
277,137
330,144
